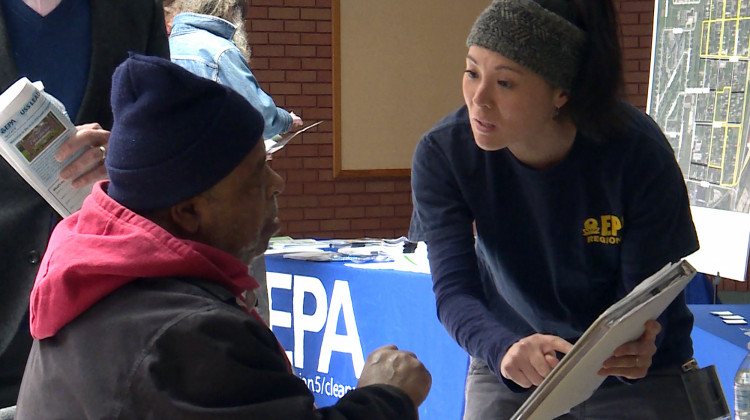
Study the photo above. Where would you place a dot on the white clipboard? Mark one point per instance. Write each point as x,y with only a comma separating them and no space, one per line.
575,378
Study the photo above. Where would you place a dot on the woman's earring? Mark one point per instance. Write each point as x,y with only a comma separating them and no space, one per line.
556,114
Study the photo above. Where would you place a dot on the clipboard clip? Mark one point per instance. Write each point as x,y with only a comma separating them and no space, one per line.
690,365
704,392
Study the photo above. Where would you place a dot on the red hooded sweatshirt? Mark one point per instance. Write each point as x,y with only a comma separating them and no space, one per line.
104,246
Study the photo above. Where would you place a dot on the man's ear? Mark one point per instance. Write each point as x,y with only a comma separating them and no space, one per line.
186,216
560,98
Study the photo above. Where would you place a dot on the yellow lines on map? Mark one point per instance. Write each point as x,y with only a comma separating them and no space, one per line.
720,34
740,168
724,37
726,138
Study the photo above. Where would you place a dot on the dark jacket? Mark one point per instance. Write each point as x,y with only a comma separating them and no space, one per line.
25,218
133,323
177,349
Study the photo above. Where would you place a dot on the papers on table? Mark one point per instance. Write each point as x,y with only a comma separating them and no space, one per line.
415,262
286,244
377,253
730,318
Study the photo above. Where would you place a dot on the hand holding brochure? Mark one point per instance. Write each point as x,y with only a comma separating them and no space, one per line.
575,378
33,125
278,141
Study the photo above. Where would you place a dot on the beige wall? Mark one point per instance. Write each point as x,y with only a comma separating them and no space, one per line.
397,71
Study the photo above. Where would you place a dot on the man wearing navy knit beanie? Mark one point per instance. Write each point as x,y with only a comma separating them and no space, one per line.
138,312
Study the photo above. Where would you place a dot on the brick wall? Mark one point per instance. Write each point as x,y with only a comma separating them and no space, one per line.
636,24
292,58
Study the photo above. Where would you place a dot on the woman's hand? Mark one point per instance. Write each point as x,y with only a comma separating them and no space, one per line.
296,120
532,358
632,360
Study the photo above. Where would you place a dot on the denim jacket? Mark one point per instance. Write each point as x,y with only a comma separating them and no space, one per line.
203,45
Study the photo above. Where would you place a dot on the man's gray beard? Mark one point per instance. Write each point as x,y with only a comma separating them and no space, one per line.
249,253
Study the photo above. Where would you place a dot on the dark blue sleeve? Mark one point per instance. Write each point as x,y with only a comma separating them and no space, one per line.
461,305
442,219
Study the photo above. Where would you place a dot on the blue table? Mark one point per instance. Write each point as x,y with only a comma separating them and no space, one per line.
329,317
716,343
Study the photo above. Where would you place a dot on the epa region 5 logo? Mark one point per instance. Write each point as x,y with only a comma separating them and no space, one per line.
604,230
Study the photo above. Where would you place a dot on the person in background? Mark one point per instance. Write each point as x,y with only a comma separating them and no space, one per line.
73,47
163,329
208,38
576,197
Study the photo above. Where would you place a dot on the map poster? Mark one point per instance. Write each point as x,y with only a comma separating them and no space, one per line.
698,94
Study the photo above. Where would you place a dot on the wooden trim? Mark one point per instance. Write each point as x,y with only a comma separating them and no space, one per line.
336,80
372,173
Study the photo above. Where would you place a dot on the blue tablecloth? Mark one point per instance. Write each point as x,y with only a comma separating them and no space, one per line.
716,343
329,317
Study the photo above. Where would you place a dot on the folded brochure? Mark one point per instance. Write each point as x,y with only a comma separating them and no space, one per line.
33,125
278,141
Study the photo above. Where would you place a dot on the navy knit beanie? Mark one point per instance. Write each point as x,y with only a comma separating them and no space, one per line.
175,134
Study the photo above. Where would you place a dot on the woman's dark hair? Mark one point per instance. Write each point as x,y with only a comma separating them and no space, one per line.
597,88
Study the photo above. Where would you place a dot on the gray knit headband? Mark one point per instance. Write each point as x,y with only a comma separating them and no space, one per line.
533,37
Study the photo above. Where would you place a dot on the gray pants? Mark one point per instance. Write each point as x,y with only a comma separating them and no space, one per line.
659,396
12,364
